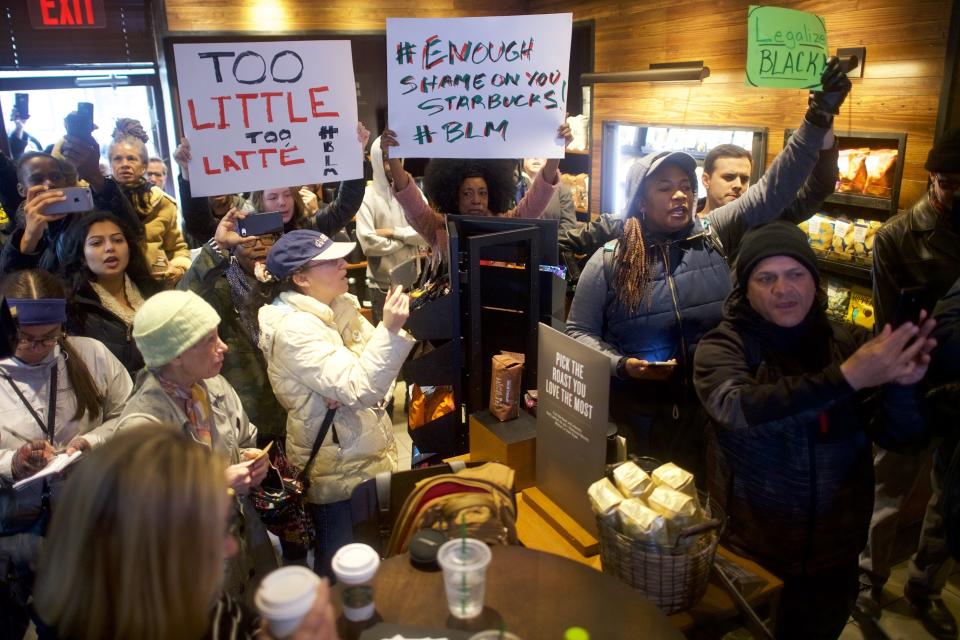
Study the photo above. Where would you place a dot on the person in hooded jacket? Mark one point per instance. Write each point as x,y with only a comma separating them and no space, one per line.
322,355
795,402
382,231
651,295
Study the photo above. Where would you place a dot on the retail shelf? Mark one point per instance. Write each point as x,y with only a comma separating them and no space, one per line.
848,269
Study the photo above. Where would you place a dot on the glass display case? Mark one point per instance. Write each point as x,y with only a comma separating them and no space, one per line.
624,142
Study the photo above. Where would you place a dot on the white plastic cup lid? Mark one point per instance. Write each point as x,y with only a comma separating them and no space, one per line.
464,554
285,591
355,563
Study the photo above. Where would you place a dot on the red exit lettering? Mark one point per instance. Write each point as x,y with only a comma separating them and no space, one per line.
53,14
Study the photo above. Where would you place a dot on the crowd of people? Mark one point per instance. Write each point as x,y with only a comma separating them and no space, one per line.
169,351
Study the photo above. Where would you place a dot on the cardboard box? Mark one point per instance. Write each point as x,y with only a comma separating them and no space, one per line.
512,443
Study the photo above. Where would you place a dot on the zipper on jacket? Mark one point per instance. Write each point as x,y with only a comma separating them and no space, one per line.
664,251
812,514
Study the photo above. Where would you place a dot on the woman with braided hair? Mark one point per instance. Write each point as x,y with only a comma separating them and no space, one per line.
164,246
647,298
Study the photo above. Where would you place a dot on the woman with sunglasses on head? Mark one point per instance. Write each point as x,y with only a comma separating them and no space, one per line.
57,394
117,564
109,280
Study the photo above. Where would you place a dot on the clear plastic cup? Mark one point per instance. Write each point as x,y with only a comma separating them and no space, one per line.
284,598
355,565
464,562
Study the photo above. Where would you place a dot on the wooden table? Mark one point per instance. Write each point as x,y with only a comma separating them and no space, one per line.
535,594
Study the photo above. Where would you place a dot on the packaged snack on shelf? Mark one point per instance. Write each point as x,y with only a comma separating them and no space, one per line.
819,229
838,299
852,176
842,244
861,307
878,165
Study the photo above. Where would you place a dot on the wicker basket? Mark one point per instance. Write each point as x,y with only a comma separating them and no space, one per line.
674,578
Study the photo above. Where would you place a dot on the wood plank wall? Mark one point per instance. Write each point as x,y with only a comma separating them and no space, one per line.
906,47
276,16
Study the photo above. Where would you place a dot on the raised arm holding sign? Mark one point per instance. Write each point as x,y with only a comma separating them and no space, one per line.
478,87
268,113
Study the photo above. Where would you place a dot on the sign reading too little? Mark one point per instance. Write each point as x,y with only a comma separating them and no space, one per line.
478,87
268,114
786,49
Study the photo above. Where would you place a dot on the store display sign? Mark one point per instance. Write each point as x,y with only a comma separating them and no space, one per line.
573,397
67,14
786,49
478,87
262,115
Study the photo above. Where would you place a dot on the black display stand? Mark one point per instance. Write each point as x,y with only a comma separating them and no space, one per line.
498,295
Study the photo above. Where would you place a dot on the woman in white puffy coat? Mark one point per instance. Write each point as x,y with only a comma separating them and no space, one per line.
322,354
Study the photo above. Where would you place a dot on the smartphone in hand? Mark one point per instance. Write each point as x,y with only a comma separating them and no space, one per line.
909,305
78,199
260,224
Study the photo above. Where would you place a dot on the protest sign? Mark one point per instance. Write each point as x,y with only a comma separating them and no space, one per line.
261,115
786,49
478,87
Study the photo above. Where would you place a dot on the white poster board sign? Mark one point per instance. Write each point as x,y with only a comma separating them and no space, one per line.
261,115
478,87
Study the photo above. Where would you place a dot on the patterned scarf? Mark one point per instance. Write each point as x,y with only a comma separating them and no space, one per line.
195,402
139,196
241,288
132,293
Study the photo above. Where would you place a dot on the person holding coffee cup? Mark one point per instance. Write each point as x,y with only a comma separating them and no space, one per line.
117,541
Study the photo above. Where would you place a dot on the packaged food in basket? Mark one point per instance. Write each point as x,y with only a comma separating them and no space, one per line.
673,477
852,174
632,480
878,165
604,497
640,522
679,509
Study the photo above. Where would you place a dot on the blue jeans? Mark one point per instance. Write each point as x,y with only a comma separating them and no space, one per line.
334,528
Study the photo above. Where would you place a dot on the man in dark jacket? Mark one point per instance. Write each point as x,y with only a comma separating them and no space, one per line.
792,417
918,249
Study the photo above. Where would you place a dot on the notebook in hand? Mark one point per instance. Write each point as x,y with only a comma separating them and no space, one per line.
56,465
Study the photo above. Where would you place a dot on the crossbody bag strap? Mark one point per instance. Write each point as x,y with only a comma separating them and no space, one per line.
324,428
48,428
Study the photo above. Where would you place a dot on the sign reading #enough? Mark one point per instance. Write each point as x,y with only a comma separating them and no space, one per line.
478,87
268,114
786,49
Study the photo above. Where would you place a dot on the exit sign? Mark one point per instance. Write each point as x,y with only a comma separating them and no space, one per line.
67,14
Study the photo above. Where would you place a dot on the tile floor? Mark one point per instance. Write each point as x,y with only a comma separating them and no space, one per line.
897,620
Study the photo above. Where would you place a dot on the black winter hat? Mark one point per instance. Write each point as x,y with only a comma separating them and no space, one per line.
774,239
944,157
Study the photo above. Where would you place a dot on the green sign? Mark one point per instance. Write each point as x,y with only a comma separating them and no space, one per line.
786,49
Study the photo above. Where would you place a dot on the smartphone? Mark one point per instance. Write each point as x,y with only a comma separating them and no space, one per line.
77,199
909,305
21,102
405,274
260,224
85,109
668,363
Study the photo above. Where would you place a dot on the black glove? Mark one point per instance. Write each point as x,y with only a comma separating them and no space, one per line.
824,104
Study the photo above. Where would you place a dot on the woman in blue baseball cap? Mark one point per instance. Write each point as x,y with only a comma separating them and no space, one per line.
322,355
90,386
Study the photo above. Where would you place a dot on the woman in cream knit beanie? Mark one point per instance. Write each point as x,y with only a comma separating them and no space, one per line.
171,322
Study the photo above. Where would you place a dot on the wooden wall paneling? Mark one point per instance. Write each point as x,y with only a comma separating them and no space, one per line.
278,16
906,47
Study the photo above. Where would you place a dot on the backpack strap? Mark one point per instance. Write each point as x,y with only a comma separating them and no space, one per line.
324,428
382,480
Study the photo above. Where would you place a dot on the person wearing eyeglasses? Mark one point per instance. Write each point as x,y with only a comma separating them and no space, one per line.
90,386
917,249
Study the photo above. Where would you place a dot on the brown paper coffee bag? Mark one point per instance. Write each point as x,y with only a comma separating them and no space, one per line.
505,385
